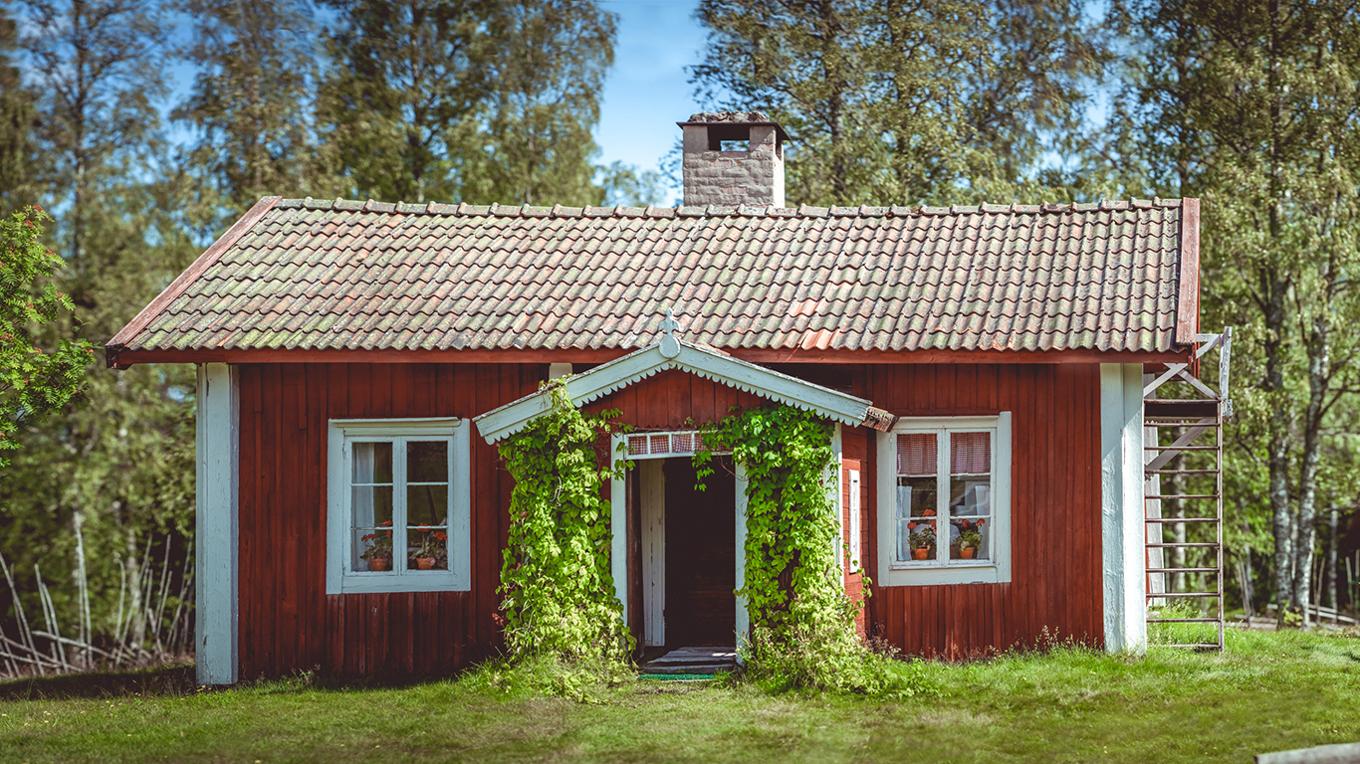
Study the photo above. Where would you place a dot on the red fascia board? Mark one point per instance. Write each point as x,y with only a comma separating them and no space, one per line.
1187,304
122,358
195,269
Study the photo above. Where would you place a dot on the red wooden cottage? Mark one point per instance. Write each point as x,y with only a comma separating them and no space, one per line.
357,362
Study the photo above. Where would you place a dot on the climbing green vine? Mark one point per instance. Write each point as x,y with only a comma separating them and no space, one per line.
557,590
802,623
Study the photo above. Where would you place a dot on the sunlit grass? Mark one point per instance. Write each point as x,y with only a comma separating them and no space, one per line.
1266,692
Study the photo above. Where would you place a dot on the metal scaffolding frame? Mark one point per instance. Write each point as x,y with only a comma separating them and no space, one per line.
1183,493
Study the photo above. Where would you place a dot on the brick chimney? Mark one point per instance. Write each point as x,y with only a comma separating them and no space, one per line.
733,158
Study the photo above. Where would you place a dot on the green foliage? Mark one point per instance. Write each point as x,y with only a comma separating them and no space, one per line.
109,482
558,593
18,126
467,100
1251,107
33,380
944,102
250,105
802,623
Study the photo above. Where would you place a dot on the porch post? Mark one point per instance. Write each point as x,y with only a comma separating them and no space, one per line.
834,485
1124,584
743,629
216,468
618,528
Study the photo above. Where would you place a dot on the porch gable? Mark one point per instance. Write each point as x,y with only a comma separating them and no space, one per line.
672,353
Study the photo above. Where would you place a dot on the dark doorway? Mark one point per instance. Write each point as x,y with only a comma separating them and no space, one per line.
700,555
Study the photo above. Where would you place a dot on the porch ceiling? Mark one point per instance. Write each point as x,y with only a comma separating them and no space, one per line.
672,353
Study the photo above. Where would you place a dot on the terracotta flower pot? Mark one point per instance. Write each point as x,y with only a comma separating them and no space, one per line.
920,554
380,563
967,552
425,563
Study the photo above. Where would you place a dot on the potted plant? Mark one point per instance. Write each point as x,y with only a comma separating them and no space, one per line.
969,541
433,548
378,548
921,539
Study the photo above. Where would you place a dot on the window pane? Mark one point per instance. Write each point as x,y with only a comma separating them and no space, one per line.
371,508
917,496
916,454
428,549
427,461
372,463
970,539
427,505
970,453
970,478
915,540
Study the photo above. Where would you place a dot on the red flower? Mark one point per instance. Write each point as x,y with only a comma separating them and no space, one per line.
385,522
911,525
368,537
441,536
980,522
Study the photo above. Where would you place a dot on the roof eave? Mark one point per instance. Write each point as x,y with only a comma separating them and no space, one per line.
122,357
119,342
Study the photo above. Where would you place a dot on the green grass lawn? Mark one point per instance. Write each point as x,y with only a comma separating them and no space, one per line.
1267,692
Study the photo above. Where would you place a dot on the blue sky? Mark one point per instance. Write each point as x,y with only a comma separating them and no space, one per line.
647,90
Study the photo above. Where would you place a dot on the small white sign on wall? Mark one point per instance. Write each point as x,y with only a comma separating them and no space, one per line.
854,520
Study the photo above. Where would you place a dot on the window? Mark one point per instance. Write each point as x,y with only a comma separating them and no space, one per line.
944,501
398,506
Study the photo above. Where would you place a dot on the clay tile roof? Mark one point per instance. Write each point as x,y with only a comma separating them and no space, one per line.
337,275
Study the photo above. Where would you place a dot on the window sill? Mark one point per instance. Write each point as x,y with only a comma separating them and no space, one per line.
936,574
951,565
385,583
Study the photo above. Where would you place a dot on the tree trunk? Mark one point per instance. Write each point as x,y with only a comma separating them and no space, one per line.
1329,571
1273,291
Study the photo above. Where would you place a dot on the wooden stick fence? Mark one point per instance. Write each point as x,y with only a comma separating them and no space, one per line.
152,623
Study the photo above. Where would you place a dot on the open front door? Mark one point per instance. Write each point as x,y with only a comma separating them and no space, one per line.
700,607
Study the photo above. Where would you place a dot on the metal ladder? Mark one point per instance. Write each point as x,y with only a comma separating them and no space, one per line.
1183,480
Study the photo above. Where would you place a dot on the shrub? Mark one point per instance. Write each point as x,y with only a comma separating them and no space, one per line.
558,593
803,632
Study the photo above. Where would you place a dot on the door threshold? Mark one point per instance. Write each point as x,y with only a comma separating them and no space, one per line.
699,660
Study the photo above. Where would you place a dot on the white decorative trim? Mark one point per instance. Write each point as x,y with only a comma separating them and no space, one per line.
652,485
711,364
339,578
618,525
1124,581
834,486
853,544
995,571
743,625
216,567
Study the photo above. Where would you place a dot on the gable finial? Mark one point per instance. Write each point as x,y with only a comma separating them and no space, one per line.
669,325
670,346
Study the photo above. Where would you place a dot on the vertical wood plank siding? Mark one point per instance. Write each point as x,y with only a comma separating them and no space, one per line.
288,623
1055,511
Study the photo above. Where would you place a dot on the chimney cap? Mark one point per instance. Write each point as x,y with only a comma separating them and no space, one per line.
734,118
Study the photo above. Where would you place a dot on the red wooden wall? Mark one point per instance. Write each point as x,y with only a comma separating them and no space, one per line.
288,623
1055,586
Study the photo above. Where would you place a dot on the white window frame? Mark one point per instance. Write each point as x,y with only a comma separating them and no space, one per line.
892,572
342,434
